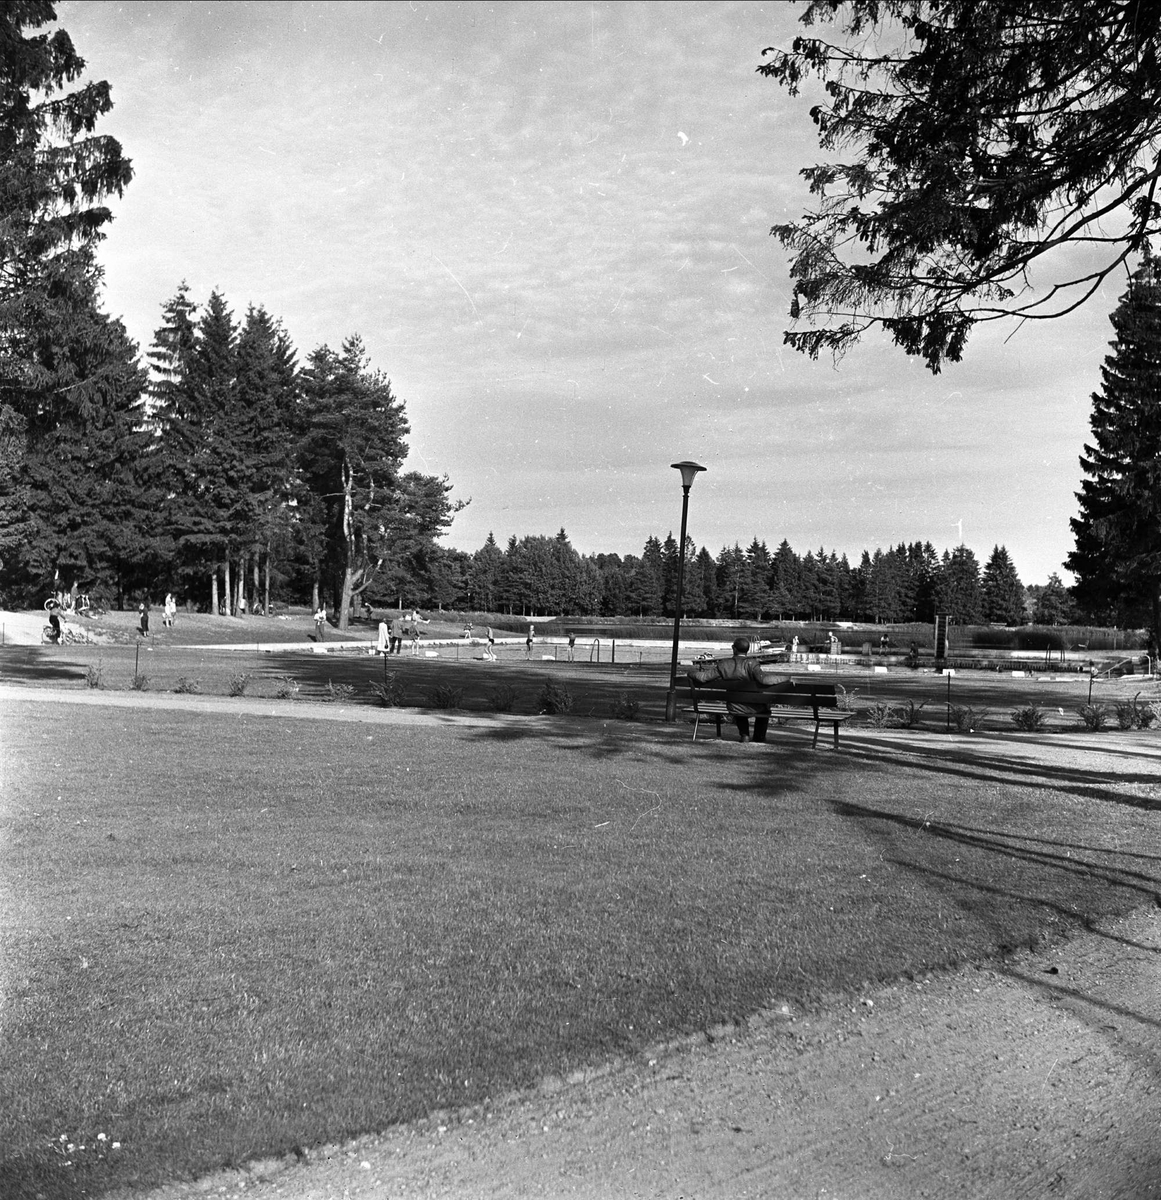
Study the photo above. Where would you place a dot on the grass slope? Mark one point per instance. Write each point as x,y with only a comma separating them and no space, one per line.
225,936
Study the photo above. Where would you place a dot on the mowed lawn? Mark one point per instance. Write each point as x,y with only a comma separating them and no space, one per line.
228,935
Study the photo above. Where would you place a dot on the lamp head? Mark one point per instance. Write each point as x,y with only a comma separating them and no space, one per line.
688,471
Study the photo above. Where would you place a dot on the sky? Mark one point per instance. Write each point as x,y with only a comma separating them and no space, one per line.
550,226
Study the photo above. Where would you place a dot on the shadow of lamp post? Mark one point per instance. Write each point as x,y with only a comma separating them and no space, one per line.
688,471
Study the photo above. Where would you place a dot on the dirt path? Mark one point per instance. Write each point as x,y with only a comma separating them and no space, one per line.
1040,1077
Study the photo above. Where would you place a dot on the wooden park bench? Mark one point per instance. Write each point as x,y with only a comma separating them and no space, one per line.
788,701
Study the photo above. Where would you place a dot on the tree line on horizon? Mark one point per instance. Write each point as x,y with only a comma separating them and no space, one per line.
539,576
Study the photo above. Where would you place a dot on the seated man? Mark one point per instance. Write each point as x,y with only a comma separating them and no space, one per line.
739,674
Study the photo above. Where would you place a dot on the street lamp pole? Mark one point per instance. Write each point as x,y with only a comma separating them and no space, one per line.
688,472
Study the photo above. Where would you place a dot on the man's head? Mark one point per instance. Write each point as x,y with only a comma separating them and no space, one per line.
741,645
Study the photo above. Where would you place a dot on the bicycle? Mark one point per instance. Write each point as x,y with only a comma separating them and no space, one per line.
66,637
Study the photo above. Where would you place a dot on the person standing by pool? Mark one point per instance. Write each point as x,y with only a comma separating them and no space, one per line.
528,642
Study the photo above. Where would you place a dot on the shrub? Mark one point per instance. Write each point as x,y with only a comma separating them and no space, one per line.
286,687
1132,714
389,693
187,687
447,696
846,700
624,708
908,715
140,683
967,720
881,715
1094,716
502,698
554,698
238,683
342,693
1031,718
93,675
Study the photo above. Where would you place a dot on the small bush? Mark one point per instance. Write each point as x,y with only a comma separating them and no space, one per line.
624,708
389,693
238,683
447,696
967,720
846,700
554,698
187,687
140,683
339,693
93,675
881,716
286,687
1094,716
502,698
908,714
1132,714
1031,718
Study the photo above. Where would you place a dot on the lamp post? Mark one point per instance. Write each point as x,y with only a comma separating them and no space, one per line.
688,471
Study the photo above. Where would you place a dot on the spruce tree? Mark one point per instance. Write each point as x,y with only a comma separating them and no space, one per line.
1003,593
1117,558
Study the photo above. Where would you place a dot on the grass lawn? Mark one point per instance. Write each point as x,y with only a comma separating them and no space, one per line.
224,935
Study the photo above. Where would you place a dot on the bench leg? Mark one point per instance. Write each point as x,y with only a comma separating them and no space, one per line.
814,744
696,722
836,725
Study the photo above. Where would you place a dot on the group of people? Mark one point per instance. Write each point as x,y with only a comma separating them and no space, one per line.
168,614
393,632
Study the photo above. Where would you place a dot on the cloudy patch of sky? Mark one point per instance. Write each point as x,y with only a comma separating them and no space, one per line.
550,226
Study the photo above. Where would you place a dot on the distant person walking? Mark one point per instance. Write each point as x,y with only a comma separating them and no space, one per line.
528,642
571,646
320,622
170,617
143,613
490,651
395,644
384,638
414,634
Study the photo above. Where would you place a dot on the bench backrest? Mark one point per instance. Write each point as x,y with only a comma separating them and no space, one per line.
789,693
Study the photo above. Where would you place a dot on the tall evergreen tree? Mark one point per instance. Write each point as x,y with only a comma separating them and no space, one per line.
1117,557
1003,593
1054,606
958,588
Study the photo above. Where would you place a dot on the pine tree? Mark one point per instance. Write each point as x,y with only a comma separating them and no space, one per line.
1003,593
1054,606
754,599
1117,558
958,587
377,519
484,577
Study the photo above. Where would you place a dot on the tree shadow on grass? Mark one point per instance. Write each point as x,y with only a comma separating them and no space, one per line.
972,764
34,664
1019,846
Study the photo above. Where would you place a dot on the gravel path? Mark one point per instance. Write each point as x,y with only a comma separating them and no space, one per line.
1037,1078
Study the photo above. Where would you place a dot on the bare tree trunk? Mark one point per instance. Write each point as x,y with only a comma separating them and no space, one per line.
229,588
266,595
314,595
256,584
214,590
